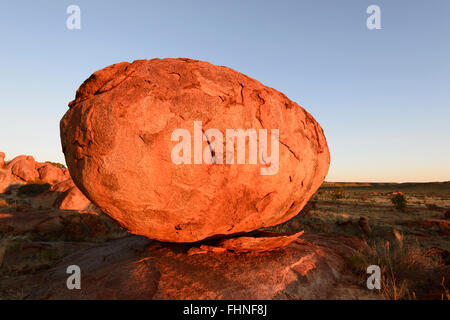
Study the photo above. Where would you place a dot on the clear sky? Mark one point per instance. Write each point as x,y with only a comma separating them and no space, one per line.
382,96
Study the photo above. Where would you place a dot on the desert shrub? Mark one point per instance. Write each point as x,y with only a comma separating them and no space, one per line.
33,188
358,262
363,197
399,201
338,193
56,164
407,272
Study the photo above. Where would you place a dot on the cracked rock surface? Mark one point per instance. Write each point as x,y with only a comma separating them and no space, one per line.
116,138
138,268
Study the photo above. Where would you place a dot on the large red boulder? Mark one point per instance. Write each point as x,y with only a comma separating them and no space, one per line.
127,142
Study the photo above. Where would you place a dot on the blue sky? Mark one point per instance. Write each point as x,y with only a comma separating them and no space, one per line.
382,96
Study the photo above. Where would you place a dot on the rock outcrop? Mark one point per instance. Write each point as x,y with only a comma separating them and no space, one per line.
63,194
138,268
117,138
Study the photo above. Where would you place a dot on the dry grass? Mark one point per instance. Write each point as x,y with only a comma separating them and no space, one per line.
446,292
411,247
408,272
56,164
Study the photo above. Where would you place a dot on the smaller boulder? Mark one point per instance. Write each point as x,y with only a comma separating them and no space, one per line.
24,167
73,199
69,197
51,174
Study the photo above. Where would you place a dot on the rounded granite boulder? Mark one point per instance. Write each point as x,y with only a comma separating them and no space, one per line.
156,145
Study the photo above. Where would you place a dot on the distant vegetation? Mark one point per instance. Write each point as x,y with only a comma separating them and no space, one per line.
399,201
57,164
338,193
426,188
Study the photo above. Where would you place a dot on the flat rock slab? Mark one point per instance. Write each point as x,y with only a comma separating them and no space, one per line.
258,244
138,268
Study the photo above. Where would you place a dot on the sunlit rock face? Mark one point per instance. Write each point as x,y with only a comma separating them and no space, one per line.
147,142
